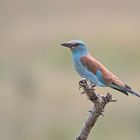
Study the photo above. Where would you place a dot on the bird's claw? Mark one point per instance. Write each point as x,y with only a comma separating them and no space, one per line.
82,82
93,85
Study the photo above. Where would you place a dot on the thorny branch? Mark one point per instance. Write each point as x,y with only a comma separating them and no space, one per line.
97,110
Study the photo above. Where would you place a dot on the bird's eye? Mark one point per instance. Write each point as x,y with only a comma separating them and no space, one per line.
77,44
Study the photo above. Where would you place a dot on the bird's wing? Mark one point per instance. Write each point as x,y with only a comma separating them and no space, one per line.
93,66
109,78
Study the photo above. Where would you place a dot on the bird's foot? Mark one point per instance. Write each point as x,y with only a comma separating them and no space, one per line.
86,85
93,87
82,84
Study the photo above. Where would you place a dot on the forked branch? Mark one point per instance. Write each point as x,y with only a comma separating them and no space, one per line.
97,110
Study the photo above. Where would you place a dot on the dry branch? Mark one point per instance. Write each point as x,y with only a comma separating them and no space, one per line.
97,110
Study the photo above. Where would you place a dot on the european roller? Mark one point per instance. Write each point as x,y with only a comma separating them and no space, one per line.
88,67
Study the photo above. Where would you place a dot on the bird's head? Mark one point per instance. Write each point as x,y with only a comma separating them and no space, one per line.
76,46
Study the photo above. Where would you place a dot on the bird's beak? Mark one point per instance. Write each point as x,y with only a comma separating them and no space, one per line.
69,45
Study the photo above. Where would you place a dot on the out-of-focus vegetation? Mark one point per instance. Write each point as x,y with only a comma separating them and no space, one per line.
39,96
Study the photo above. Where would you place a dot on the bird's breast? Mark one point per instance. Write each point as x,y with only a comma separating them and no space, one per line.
84,72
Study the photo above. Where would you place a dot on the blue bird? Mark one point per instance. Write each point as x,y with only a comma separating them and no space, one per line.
91,69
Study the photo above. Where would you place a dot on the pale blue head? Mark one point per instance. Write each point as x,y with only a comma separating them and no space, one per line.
76,46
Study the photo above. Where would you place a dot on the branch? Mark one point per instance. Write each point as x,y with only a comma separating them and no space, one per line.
97,110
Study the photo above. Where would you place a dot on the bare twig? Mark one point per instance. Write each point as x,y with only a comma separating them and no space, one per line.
97,110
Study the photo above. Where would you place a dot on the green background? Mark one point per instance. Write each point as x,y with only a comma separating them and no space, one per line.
39,95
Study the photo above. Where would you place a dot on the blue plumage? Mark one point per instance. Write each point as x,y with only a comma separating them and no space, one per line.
91,69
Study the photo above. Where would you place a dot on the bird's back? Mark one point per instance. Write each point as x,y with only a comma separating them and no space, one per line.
96,67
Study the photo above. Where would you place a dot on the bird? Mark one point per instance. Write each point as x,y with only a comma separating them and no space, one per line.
90,68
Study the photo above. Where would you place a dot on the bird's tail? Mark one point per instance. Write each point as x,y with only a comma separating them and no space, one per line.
124,89
128,89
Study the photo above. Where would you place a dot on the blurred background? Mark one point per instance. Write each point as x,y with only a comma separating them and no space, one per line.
39,95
